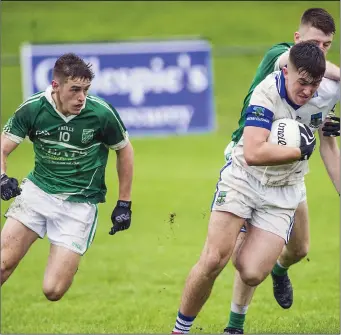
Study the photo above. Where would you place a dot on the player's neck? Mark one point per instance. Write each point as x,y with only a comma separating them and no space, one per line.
290,96
58,104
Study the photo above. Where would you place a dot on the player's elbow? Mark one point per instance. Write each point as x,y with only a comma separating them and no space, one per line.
251,157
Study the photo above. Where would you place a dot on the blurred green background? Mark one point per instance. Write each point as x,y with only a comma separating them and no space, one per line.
132,282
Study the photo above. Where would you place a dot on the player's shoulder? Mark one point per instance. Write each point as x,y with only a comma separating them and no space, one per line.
279,48
269,84
32,103
329,88
266,92
99,105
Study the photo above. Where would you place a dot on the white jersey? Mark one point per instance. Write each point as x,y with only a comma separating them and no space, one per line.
270,102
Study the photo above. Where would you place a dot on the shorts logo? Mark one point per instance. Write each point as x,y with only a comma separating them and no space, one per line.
221,198
77,245
87,135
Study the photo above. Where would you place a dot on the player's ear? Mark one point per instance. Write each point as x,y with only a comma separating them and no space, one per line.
297,37
285,71
55,85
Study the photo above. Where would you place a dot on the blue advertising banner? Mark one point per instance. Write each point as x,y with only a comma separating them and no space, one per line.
158,87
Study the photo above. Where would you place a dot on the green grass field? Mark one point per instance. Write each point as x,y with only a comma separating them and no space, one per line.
132,282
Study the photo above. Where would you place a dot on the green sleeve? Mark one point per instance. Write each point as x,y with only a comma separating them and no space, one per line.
19,124
114,132
267,64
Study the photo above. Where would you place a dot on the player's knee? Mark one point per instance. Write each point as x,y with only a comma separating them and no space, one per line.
4,272
7,267
53,292
249,274
295,252
301,252
251,277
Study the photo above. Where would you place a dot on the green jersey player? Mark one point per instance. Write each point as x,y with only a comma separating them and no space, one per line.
316,25
72,133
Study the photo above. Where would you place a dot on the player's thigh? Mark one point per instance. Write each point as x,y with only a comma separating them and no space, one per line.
276,211
222,234
240,240
258,254
28,208
269,229
24,222
300,234
232,204
73,225
61,267
16,239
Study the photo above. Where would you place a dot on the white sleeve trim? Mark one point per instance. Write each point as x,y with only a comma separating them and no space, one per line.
121,144
14,138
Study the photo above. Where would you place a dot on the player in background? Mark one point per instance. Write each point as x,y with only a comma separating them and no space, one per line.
71,133
254,184
317,25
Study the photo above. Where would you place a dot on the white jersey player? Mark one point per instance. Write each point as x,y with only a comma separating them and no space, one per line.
269,102
242,195
317,25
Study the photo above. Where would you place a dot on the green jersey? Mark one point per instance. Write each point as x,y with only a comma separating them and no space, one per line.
267,65
71,152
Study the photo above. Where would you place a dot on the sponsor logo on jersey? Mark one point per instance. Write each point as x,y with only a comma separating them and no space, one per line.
87,135
258,111
42,133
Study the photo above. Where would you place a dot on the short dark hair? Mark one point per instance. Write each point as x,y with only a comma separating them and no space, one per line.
308,57
71,65
320,19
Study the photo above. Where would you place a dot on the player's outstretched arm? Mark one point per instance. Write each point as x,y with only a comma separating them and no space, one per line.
330,154
9,186
332,70
121,216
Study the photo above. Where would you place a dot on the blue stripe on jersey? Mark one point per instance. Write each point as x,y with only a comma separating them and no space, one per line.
258,116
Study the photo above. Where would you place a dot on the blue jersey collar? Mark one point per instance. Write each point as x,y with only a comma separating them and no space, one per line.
280,83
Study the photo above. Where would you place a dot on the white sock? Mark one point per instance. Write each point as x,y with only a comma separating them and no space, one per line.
183,324
280,265
239,309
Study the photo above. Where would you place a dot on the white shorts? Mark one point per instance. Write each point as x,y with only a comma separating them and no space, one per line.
270,208
68,224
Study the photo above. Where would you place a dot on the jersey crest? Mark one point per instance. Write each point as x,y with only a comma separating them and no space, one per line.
87,135
315,120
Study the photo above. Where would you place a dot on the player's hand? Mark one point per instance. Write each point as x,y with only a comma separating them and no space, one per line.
121,216
308,142
9,187
332,128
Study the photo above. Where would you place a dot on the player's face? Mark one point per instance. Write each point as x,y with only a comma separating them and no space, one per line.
300,86
309,33
72,94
